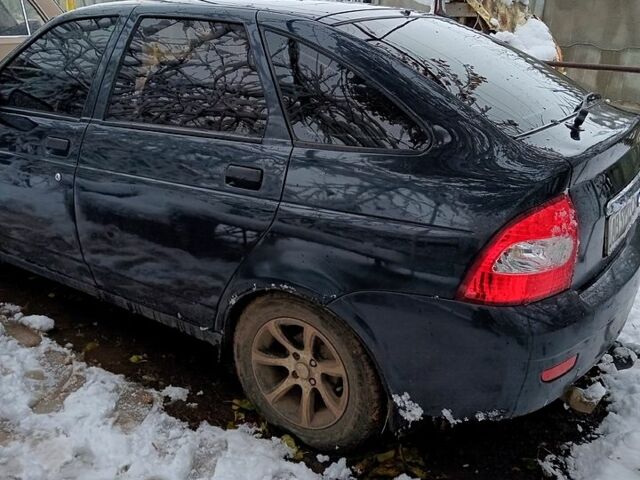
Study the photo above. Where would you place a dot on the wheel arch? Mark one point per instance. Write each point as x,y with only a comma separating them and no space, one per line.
238,302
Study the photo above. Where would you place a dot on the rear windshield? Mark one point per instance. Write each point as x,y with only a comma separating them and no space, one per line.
515,92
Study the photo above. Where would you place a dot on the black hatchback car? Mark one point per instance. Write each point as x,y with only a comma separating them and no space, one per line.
378,214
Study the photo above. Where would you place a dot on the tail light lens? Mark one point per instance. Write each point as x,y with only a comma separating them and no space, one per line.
531,258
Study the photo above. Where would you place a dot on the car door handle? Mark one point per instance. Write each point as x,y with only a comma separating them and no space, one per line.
243,177
57,146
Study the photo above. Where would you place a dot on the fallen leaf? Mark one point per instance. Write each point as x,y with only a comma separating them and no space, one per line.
383,457
390,470
242,404
291,443
137,358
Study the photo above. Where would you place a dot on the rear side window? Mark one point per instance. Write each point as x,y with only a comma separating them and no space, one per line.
55,72
192,74
514,91
328,103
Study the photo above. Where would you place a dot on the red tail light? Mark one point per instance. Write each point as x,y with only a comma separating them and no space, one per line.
531,258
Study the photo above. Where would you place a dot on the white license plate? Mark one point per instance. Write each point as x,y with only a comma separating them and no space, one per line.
625,210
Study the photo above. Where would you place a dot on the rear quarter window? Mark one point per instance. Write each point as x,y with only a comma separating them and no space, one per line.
327,103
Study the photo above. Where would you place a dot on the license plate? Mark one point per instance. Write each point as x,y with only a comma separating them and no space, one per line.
622,213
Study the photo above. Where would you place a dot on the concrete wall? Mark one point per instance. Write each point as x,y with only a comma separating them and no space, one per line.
598,31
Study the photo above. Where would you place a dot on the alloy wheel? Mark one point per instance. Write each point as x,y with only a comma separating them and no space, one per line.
300,373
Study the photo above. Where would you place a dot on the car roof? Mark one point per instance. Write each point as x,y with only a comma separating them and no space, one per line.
326,11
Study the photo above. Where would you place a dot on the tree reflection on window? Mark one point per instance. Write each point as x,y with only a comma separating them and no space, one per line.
54,73
192,74
515,92
329,104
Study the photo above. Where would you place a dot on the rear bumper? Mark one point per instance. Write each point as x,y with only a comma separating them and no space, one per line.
479,361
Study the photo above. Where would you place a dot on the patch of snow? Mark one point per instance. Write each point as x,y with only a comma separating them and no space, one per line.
9,309
404,476
82,437
606,364
595,392
408,409
614,453
175,393
446,413
626,354
550,468
338,471
287,288
490,415
533,37
37,322
322,458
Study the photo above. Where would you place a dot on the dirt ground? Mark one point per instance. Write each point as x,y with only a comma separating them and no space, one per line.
157,356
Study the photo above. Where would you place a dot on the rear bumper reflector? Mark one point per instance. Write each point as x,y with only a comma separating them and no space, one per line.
553,373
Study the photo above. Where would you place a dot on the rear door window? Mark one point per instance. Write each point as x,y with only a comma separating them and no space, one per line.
55,72
327,103
514,91
192,74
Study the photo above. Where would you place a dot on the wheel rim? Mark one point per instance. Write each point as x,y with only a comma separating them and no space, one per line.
300,373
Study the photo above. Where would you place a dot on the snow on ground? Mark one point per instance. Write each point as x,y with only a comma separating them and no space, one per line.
533,38
38,322
60,418
175,393
615,453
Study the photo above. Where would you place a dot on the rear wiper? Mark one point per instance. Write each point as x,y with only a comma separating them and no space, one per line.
583,111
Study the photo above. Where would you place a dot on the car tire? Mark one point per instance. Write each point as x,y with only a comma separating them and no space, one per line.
307,373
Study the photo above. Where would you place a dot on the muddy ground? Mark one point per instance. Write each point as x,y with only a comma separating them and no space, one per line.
156,356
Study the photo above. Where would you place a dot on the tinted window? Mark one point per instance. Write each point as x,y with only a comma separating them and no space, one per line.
54,73
514,91
328,103
12,20
193,74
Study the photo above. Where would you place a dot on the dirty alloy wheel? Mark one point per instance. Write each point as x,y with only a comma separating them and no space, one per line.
307,372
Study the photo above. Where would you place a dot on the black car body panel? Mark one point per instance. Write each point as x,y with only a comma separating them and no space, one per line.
187,226
482,362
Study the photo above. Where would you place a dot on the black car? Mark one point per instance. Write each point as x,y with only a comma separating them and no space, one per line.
379,214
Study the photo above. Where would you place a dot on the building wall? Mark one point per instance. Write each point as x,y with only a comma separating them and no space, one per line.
598,31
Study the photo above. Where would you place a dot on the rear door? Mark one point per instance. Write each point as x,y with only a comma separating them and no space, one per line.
45,94
182,170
